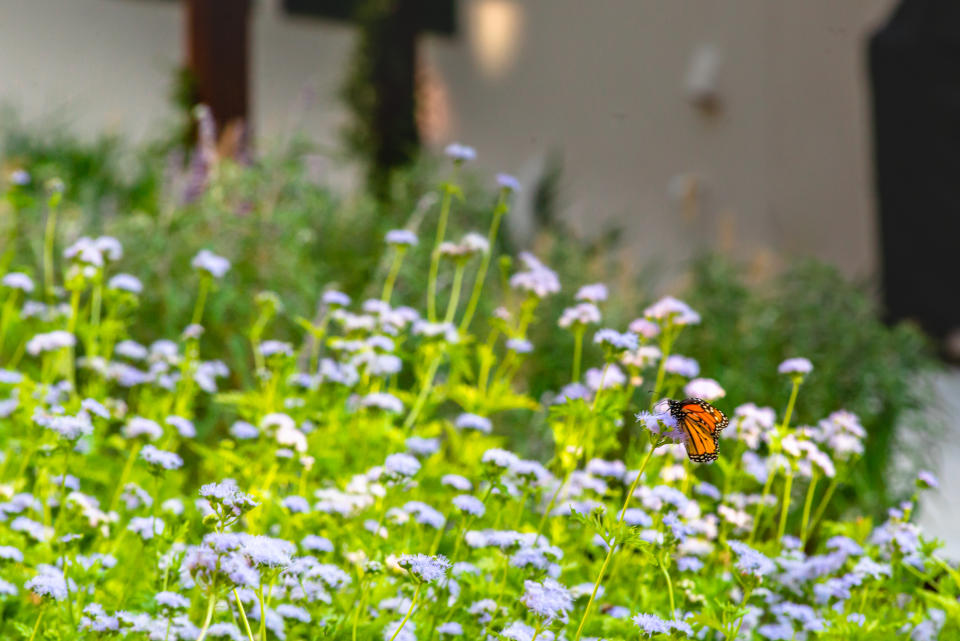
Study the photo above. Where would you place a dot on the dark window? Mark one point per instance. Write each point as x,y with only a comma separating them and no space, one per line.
439,16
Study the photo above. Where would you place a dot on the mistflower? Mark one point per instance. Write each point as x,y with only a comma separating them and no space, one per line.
296,504
548,600
131,349
594,293
459,152
519,345
49,342
606,469
401,238
682,366
469,504
401,465
450,628
672,311
227,494
538,280
209,262
333,298
243,430
857,617
125,283
290,611
146,526
457,482
18,280
161,459
172,600
651,624
425,568
316,543
595,376
422,446
48,582
10,553
185,427
518,631
440,331
643,327
708,490
473,422
496,457
95,407
795,366
384,401
642,357
20,177
926,480
70,428
267,551
274,348
580,314
139,426
705,388
750,561
613,340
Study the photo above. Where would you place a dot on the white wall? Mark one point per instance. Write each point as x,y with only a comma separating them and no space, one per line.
784,166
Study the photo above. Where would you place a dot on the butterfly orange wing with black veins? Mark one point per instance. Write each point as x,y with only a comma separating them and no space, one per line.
701,424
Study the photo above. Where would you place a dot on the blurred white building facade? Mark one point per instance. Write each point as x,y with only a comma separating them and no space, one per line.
741,126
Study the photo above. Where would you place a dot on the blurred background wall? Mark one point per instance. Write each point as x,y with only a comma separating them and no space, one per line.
686,124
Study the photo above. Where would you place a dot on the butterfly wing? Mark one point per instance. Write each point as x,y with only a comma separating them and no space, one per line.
701,424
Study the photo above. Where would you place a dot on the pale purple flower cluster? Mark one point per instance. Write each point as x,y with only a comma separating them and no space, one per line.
614,340
800,366
425,568
538,279
401,238
669,310
548,600
206,260
161,459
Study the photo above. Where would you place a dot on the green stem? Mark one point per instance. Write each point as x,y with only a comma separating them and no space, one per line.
666,575
481,277
392,274
455,293
666,343
263,612
613,543
762,504
603,378
204,289
209,616
822,507
435,256
424,394
546,512
743,602
49,237
577,351
413,604
36,626
784,507
124,475
807,504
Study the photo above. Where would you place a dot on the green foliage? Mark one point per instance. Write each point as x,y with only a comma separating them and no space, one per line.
877,371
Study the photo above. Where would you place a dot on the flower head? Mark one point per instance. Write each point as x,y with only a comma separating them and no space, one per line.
425,568
548,600
800,366
401,238
206,260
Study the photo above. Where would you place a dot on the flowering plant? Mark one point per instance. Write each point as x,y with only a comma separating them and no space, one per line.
358,487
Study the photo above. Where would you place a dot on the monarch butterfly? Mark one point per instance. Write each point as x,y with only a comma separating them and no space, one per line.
700,423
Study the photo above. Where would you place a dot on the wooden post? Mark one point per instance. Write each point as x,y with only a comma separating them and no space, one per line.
218,59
